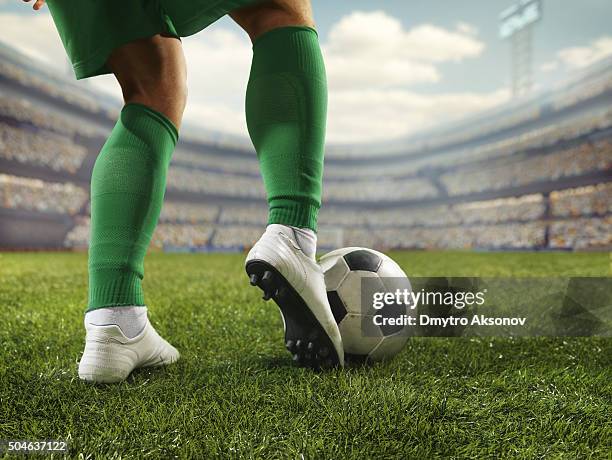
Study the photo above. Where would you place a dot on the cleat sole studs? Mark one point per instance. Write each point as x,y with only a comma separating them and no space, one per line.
305,339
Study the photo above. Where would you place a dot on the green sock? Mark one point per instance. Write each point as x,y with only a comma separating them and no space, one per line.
286,107
127,190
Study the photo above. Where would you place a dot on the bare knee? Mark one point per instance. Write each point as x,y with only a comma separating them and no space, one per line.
152,72
165,93
262,17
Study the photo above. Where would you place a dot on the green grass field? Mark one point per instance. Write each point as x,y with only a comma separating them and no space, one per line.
235,392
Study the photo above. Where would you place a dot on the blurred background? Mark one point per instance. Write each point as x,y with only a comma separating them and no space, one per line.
485,125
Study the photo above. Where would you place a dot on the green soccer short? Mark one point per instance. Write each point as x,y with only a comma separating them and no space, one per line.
92,29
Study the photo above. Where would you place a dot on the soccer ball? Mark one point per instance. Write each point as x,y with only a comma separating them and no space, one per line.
344,271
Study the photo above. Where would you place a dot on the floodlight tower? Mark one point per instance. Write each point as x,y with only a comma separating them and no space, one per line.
516,23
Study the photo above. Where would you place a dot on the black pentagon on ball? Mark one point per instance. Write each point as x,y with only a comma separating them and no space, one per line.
363,260
337,306
393,311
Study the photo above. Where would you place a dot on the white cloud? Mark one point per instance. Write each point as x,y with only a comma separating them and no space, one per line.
578,57
356,71
549,66
380,115
372,49
362,33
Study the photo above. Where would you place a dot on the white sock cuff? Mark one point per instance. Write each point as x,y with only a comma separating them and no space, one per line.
307,240
131,319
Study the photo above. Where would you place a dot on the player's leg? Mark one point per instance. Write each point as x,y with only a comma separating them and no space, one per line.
286,106
127,190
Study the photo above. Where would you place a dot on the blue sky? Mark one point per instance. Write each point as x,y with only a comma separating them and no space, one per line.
394,67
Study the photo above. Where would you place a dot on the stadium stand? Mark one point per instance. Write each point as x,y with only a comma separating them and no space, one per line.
509,236
40,148
532,174
78,236
524,169
24,112
583,201
581,233
181,235
253,214
36,195
173,211
212,161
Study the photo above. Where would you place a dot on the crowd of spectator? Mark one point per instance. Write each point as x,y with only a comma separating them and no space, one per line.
582,233
198,181
509,235
246,164
510,223
379,190
525,169
246,214
25,112
176,211
41,148
181,235
582,201
236,236
524,208
554,135
78,236
37,195
564,234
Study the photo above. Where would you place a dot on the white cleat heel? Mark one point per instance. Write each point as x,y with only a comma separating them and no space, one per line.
277,265
110,356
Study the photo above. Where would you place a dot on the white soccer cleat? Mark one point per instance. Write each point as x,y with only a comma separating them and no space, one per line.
110,356
278,266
